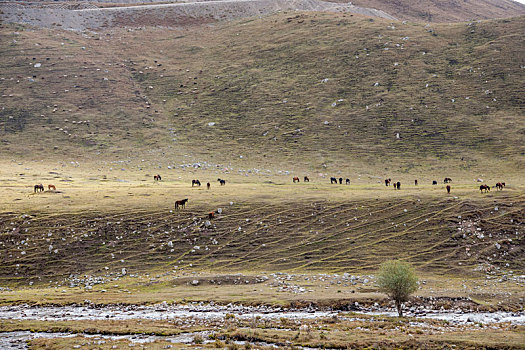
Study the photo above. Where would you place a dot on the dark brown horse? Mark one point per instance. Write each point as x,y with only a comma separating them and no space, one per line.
447,180
208,185
295,179
434,182
448,188
348,181
195,183
222,182
415,182
485,188
388,182
180,204
306,179
157,177
500,185
333,180
340,181
39,188
398,185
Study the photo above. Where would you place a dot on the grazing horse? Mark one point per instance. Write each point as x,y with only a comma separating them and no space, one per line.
415,182
333,180
51,187
222,182
211,215
500,185
398,185
39,188
434,182
195,183
306,179
447,180
484,187
208,185
157,177
295,179
395,186
180,204
448,188
340,181
348,181
388,182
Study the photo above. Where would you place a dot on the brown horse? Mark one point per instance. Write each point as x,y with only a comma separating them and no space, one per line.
348,181
195,183
211,215
208,185
448,188
39,188
306,179
447,180
484,187
181,204
51,187
388,182
157,177
398,185
222,182
415,182
295,179
500,185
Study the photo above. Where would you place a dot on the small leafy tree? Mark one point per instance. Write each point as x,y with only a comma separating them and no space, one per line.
398,280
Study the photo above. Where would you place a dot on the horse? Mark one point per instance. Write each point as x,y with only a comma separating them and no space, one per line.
499,186
333,180
340,181
447,180
448,188
211,215
398,185
484,187
180,204
415,182
208,185
222,182
395,186
387,182
295,179
157,177
434,182
195,182
306,179
39,188
51,187
348,181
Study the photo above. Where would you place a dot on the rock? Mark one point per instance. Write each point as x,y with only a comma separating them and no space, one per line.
195,282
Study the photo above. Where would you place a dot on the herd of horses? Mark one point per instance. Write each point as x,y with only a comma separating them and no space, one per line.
181,204
397,185
208,185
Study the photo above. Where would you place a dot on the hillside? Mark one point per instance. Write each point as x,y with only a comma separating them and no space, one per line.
309,90
445,10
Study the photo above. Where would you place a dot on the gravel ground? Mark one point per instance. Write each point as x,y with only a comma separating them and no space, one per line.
171,15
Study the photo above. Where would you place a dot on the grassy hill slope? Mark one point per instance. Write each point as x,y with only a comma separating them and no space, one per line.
313,91
445,10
